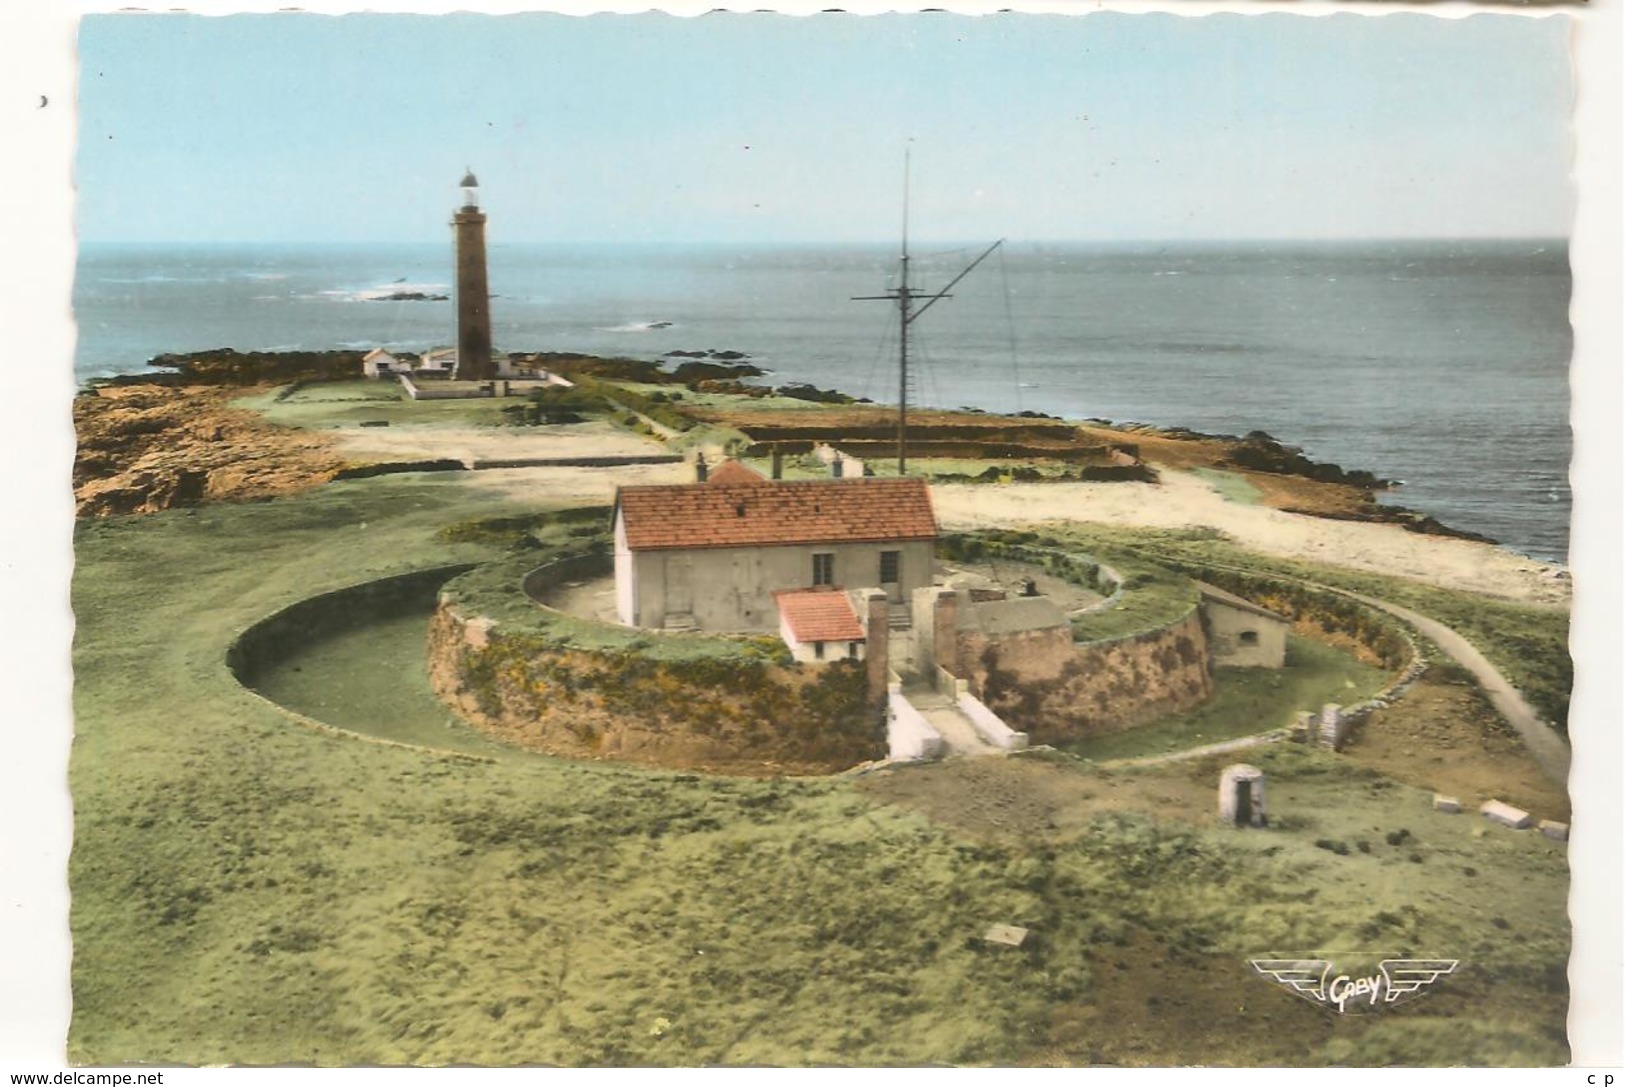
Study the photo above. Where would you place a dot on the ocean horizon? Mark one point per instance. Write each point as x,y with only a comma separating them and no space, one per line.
1441,363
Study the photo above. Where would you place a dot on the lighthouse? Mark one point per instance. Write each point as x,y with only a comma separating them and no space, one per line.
474,361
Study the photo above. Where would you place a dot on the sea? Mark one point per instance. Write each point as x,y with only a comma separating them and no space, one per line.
1441,364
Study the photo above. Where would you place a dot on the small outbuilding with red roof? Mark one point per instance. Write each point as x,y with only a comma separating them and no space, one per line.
711,556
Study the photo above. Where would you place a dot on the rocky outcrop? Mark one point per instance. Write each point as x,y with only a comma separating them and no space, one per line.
1260,452
148,448
228,366
409,296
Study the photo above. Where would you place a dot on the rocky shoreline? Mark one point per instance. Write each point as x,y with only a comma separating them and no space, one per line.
169,438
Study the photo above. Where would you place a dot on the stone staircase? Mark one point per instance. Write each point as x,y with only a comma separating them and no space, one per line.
944,715
680,622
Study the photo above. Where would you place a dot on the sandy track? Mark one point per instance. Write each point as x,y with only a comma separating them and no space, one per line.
470,443
567,486
1182,500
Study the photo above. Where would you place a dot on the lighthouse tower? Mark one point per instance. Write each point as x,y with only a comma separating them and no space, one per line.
474,362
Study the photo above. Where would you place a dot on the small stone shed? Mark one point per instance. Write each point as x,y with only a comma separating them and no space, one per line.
1240,634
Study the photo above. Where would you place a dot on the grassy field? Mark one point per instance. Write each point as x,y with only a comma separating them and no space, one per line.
1248,701
350,403
249,891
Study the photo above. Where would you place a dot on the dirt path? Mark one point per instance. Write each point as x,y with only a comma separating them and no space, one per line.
1273,736
1549,750
1543,743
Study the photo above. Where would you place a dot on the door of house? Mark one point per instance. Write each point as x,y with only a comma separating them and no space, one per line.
679,584
891,575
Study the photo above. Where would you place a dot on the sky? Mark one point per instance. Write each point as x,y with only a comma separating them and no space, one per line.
772,128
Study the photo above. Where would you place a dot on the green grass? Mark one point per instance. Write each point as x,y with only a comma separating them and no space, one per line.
351,403
1247,701
371,680
1232,486
1153,596
1151,599
245,890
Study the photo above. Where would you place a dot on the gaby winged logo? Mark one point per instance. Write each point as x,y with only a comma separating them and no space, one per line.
1396,981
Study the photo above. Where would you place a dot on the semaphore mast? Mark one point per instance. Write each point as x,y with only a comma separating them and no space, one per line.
905,297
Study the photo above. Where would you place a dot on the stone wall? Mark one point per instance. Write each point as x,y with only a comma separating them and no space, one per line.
1056,690
297,625
730,711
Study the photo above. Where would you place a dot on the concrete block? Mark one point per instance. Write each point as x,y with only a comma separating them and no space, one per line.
1448,804
1558,832
1505,814
1007,935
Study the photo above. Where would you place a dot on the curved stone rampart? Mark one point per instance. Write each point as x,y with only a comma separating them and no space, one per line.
269,640
272,638
569,686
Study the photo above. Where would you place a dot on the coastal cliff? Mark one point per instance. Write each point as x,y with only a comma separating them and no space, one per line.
145,448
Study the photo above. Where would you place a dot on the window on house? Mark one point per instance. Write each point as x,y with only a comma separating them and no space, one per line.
823,569
890,563
818,650
852,650
1249,637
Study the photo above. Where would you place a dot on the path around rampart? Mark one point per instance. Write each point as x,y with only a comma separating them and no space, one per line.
1543,742
1548,749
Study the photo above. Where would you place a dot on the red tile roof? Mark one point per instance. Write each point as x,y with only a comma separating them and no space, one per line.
770,513
733,471
819,615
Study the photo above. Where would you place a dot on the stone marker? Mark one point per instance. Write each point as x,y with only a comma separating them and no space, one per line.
1008,935
1558,832
1448,804
1505,814
1331,725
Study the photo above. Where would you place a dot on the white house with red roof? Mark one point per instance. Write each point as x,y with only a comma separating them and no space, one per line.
712,556
821,625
